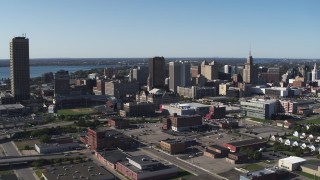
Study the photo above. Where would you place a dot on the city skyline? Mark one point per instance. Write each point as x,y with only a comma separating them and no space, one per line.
124,29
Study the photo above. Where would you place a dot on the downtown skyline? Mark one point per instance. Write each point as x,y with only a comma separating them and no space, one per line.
124,29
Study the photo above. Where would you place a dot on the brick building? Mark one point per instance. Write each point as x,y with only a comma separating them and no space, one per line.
182,123
249,143
216,112
109,139
215,151
144,168
173,146
118,122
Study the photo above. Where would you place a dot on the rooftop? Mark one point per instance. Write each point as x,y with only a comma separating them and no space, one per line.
87,170
11,106
246,142
113,156
144,160
258,173
293,159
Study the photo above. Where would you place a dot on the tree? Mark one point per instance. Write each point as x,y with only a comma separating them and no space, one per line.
27,147
257,155
45,138
298,152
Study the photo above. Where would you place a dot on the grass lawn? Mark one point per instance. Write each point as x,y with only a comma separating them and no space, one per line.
293,138
182,174
253,167
268,161
39,172
21,144
3,172
313,121
80,111
258,120
311,176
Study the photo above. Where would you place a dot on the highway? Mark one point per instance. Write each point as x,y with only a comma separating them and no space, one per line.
12,131
24,173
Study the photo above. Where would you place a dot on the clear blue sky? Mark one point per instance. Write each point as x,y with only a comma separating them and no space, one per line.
170,28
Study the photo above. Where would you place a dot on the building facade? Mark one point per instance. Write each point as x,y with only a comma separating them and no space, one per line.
157,73
262,109
179,75
19,68
61,83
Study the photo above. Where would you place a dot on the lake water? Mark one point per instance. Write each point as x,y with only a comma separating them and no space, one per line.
37,71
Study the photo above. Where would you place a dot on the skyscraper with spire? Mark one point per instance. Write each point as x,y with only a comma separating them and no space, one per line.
248,72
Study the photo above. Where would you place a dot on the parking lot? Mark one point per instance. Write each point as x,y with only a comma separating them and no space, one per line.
274,155
220,137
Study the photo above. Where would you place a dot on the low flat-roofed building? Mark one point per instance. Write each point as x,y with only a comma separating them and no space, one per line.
291,163
86,170
118,122
143,167
185,109
110,158
265,174
173,146
249,143
12,110
55,147
311,167
216,151
237,158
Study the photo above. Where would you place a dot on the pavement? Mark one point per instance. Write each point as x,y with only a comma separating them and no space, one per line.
25,173
192,168
12,131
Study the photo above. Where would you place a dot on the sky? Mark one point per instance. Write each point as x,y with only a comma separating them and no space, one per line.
169,28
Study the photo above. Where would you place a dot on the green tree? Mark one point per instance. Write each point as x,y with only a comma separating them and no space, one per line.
45,138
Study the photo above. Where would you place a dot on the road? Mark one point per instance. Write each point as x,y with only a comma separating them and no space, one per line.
183,165
11,131
24,173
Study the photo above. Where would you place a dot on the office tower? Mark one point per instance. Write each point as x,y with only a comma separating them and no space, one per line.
303,71
140,74
179,73
227,69
195,71
19,68
249,70
61,83
272,74
314,72
209,70
157,73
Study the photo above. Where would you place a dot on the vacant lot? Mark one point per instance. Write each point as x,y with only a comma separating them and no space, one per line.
22,144
80,111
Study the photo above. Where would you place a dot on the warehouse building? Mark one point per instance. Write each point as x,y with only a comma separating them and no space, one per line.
291,163
249,143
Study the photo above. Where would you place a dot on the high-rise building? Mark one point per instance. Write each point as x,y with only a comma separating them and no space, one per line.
248,72
19,68
140,74
179,73
315,73
157,73
195,71
227,69
209,70
61,83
